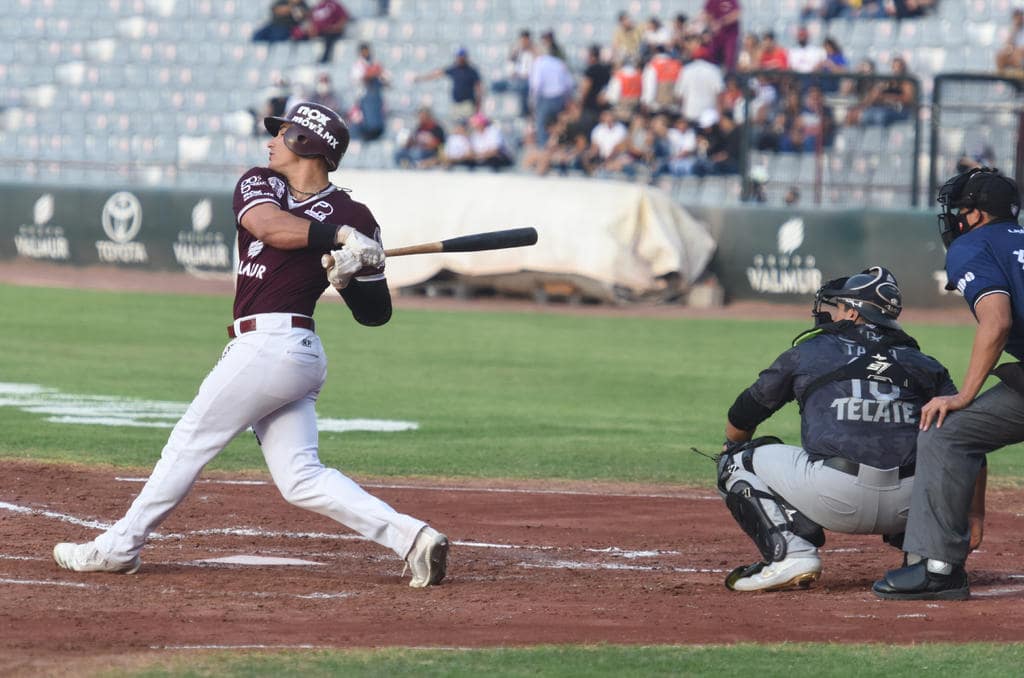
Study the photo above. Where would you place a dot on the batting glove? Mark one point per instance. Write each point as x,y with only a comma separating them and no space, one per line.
366,249
345,265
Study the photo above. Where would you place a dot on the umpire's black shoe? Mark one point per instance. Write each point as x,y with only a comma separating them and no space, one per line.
915,582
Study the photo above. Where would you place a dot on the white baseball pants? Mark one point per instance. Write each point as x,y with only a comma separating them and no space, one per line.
268,379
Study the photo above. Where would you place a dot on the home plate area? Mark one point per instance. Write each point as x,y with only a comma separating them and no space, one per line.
531,562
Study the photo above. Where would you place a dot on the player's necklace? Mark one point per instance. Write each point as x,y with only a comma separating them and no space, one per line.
302,195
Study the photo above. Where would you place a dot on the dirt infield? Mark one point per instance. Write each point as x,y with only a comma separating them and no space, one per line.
530,563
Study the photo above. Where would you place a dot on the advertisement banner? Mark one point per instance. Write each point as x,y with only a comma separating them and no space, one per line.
785,255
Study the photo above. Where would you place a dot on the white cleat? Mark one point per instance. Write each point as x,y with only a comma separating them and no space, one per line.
797,571
428,558
87,558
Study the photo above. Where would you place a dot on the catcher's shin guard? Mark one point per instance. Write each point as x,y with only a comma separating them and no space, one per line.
747,507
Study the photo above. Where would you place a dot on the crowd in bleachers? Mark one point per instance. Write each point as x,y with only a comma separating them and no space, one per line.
661,99
172,91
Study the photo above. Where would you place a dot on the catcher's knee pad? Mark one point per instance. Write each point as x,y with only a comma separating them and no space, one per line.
801,525
744,503
740,455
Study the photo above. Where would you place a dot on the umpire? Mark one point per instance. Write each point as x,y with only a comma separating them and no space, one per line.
860,381
985,262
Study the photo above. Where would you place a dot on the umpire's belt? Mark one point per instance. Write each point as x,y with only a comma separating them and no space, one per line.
853,468
269,321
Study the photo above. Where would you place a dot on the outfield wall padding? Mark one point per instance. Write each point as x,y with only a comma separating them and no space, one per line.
625,239
784,255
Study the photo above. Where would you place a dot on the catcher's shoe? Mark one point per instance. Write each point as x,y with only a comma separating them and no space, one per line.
916,582
797,571
427,558
87,558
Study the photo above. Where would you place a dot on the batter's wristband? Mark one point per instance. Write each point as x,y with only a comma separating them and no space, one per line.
321,236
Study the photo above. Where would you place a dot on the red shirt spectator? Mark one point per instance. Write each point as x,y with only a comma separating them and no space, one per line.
773,56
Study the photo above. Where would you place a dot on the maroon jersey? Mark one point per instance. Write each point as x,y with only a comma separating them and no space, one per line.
269,280
717,9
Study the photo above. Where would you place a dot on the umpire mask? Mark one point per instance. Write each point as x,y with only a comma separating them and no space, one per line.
981,188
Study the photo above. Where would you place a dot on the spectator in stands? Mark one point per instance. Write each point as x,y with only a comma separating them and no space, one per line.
285,16
550,44
626,40
749,58
723,145
275,104
520,62
324,94
834,64
467,87
908,9
982,155
792,197
640,145
608,142
723,17
773,56
682,140
596,77
680,29
825,10
812,128
423,148
567,143
659,80
654,34
699,83
886,102
731,98
488,143
1010,56
458,152
805,57
327,19
624,90
367,118
551,88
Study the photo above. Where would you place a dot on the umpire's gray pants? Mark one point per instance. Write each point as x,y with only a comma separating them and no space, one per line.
948,462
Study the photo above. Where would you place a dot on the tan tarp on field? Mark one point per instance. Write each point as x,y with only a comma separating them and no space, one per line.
611,235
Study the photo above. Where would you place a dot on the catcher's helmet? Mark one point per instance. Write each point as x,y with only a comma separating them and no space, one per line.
983,188
873,292
314,130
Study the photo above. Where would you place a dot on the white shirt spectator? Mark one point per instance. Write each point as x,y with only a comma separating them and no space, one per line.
550,78
698,86
457,147
681,144
806,59
606,138
523,65
487,140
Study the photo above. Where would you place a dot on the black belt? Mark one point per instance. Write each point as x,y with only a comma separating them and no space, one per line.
853,468
249,325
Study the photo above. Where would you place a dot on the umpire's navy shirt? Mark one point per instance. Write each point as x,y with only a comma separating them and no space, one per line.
990,260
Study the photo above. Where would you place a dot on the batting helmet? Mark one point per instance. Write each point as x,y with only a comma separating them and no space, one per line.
873,292
314,130
982,188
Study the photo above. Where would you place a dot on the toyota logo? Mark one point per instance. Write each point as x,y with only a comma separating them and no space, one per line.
122,217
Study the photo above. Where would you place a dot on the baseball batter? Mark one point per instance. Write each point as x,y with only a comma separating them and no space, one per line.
269,375
860,382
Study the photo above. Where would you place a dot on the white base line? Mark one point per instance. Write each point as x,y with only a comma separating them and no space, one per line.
41,582
436,488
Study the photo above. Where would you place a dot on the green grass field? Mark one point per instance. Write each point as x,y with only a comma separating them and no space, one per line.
496,395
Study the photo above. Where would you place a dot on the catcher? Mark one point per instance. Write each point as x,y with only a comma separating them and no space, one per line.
860,382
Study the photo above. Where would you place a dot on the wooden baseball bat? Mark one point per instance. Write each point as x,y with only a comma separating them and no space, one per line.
477,242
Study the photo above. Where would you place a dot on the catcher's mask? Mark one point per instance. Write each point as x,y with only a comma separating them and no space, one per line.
981,188
313,130
873,292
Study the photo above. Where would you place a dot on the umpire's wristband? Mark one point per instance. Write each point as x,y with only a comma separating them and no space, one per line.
321,236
